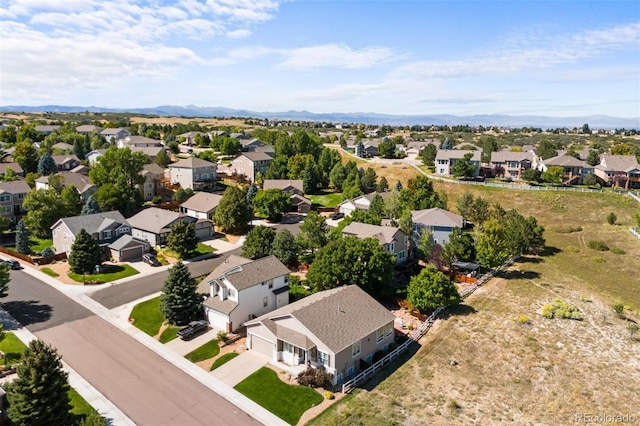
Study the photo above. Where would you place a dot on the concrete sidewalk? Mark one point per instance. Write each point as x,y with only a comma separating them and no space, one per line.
93,397
119,318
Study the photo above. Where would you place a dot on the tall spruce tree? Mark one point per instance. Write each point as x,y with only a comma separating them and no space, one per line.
180,303
39,396
85,254
91,207
47,165
22,238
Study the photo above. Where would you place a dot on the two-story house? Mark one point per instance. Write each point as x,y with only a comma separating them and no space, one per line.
12,195
114,134
66,162
335,328
85,129
202,205
137,141
104,227
79,180
13,166
242,289
154,179
154,224
446,158
440,222
194,173
573,169
391,238
360,203
250,164
619,170
294,188
509,164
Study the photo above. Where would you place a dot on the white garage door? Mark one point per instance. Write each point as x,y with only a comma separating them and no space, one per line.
261,345
217,320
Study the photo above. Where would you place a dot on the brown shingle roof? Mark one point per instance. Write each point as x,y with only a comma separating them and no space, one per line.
202,202
154,219
619,163
192,163
437,217
283,184
244,273
384,234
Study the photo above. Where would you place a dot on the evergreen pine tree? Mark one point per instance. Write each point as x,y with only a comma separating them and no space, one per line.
85,254
179,302
251,193
39,395
398,186
93,419
78,149
182,239
91,207
47,165
4,280
22,238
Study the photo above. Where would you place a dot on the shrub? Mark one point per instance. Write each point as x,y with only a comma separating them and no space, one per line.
611,218
598,245
157,199
328,395
222,336
46,252
615,250
561,309
568,229
523,319
618,308
315,377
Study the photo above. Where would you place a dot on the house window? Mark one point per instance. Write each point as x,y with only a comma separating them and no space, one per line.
123,230
271,284
350,371
392,247
5,198
287,347
379,334
107,234
355,349
369,358
6,209
400,255
232,292
265,301
323,358
406,240
388,329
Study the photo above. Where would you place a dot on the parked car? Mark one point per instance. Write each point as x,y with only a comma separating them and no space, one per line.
192,329
13,264
150,259
336,215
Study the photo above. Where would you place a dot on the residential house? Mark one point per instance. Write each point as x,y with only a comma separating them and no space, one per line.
440,222
413,148
619,170
252,145
66,162
13,166
12,195
360,203
201,205
574,169
105,228
295,189
46,130
127,248
368,148
151,151
194,173
114,134
80,181
446,158
241,289
92,156
510,164
335,328
250,164
238,136
188,138
154,180
391,238
88,129
154,224
63,146
138,142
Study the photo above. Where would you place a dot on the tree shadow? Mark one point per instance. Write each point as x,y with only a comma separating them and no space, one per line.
549,251
28,312
530,259
458,310
388,369
515,275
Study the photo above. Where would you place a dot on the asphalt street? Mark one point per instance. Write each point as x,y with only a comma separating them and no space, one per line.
118,295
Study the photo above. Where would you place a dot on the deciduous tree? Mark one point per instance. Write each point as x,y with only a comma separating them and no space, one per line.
258,242
313,232
431,289
272,203
464,167
44,207
180,303
39,395
182,239
491,246
284,247
233,213
27,156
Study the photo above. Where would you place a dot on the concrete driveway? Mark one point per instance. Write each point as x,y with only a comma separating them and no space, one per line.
240,367
183,347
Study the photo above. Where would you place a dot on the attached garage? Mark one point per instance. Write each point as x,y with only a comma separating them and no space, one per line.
127,248
216,319
204,229
261,345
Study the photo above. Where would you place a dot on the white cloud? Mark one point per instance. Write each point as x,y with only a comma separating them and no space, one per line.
334,55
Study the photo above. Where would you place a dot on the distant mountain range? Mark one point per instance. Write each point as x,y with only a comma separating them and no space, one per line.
544,122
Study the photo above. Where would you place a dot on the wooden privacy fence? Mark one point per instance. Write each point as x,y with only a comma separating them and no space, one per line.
349,385
34,260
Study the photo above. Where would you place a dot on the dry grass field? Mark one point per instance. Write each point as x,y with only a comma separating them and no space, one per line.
392,172
483,365
209,122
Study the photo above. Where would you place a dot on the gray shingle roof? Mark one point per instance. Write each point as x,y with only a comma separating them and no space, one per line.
256,156
384,234
437,217
566,161
225,306
202,202
448,154
154,219
337,317
249,272
93,223
619,163
13,166
283,184
192,162
504,156
15,187
125,240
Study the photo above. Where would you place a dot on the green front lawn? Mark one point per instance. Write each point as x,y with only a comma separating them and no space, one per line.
147,316
169,334
203,249
285,401
223,360
50,272
327,199
206,351
110,273
80,408
12,348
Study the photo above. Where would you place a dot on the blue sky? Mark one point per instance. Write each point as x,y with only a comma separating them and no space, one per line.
556,58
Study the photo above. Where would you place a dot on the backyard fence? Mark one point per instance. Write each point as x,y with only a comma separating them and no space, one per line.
349,385
634,232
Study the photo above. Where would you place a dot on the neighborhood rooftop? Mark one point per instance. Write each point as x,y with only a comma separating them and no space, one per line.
93,222
244,273
153,219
